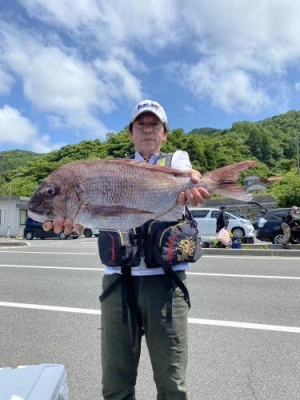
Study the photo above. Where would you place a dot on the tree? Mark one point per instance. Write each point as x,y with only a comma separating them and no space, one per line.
287,191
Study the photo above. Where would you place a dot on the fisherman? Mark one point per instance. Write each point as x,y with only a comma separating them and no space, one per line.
288,221
147,289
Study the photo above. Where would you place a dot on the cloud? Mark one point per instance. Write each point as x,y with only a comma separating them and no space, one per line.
238,46
6,82
56,80
189,108
78,61
112,22
235,46
18,130
118,80
58,12
230,91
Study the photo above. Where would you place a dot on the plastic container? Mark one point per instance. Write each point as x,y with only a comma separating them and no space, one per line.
236,245
34,382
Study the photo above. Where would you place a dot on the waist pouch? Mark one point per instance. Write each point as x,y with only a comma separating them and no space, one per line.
169,243
119,248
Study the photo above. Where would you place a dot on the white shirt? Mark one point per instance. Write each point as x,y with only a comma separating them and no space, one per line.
181,161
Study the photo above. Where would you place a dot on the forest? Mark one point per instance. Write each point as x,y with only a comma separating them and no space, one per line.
273,143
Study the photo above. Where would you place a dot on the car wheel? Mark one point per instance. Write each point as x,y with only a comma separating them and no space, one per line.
277,238
29,236
62,236
238,232
88,232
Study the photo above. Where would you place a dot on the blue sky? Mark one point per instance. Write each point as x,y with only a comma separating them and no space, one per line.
72,70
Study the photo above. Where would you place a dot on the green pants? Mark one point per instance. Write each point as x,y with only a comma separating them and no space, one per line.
167,344
286,233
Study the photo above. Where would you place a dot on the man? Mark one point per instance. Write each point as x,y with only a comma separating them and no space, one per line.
288,221
222,219
148,289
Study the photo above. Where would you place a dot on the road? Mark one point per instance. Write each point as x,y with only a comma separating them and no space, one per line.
244,324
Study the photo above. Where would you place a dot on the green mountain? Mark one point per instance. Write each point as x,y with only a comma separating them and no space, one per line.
13,159
271,142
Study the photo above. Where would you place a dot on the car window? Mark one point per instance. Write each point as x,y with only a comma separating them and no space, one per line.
30,221
231,216
278,214
214,214
199,213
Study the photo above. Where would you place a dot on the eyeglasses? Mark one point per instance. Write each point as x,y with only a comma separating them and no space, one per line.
155,126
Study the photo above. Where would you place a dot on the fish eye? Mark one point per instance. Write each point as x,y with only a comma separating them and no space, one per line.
51,191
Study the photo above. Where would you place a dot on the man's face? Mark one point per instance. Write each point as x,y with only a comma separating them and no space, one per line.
148,134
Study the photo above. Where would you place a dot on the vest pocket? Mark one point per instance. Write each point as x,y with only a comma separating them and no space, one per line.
119,248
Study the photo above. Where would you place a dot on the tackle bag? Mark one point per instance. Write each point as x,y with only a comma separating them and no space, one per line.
119,248
169,243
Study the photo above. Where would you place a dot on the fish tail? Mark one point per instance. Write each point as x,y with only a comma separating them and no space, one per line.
224,180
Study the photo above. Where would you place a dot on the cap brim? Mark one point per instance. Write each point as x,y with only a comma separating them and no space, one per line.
148,111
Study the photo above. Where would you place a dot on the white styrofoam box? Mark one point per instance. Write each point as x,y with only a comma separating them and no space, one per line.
34,382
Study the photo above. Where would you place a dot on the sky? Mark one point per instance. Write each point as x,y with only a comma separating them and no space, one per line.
72,70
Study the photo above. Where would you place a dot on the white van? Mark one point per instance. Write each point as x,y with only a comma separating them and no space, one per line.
206,220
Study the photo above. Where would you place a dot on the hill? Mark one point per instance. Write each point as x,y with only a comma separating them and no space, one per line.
10,160
271,142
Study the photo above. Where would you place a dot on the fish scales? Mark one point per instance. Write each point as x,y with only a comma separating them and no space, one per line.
128,197
121,193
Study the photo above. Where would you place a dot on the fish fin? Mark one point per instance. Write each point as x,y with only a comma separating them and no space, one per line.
234,192
82,196
146,165
230,173
173,215
225,180
107,211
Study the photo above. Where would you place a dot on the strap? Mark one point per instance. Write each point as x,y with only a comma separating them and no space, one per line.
162,159
110,289
175,282
127,298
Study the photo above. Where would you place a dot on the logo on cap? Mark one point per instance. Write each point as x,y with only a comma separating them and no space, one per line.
147,105
151,106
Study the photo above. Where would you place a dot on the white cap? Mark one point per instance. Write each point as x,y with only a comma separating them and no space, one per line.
150,106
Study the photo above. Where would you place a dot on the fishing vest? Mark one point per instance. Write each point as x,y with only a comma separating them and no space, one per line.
163,159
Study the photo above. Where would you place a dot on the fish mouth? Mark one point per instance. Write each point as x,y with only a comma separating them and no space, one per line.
36,216
37,211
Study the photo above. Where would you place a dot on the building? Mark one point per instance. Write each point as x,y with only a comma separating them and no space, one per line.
251,180
13,213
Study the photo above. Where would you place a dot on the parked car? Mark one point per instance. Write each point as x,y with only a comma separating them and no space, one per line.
34,229
206,220
88,232
269,226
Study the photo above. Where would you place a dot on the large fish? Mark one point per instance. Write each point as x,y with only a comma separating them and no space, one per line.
122,193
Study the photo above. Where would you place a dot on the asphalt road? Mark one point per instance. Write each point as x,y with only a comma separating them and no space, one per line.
244,330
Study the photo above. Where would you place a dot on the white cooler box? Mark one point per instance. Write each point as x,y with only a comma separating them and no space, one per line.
34,382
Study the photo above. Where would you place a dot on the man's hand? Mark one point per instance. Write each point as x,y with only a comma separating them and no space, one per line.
62,225
194,196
